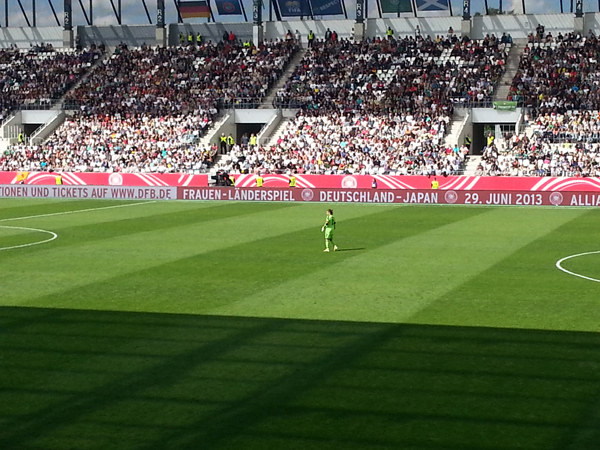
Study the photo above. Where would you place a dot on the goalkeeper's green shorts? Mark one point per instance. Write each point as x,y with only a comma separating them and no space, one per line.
329,233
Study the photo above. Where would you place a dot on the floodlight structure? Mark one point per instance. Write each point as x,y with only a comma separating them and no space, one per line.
29,14
29,10
88,13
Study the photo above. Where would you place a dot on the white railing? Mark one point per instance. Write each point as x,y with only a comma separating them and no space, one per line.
8,119
266,133
12,131
34,137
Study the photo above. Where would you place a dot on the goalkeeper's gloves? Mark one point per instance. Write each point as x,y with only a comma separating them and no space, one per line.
322,228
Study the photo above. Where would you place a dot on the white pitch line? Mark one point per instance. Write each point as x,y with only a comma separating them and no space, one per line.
76,211
54,236
573,273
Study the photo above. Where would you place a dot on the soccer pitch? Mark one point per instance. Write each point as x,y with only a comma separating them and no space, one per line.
208,325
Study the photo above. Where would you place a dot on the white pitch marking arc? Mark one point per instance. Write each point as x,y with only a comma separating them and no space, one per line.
51,233
558,264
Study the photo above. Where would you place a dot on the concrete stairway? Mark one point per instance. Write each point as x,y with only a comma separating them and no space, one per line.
211,134
512,65
456,126
472,163
278,132
267,102
107,54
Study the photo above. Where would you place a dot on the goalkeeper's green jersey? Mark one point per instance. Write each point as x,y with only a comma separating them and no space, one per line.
330,222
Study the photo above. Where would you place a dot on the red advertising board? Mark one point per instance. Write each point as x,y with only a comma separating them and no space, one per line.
459,183
108,179
422,196
389,196
89,192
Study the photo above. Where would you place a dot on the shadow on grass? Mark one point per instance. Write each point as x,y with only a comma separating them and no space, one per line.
350,249
112,380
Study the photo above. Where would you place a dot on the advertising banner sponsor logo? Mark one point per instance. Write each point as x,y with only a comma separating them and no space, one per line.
228,7
451,197
505,106
432,5
417,196
326,7
293,8
89,192
556,198
396,6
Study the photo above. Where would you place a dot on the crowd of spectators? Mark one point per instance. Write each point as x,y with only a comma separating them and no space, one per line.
521,156
379,106
354,143
40,74
169,80
572,126
146,109
119,144
558,80
377,74
559,74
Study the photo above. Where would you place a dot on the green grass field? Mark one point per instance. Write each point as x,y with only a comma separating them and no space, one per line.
224,326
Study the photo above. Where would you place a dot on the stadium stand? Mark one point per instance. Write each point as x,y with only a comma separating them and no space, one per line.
463,71
558,74
354,143
118,144
380,106
39,75
521,156
145,109
557,82
165,80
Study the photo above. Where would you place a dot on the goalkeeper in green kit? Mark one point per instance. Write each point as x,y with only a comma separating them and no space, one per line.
329,229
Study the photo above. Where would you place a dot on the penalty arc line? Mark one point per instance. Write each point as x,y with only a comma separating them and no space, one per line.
54,236
76,211
558,264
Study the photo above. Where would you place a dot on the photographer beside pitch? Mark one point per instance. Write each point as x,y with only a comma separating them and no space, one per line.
329,229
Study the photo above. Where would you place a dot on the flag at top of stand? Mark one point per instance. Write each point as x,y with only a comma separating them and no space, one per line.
326,7
228,7
432,5
191,9
396,6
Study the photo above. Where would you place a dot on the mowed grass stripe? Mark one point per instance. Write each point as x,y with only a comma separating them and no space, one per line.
96,212
8,204
156,217
35,207
529,291
147,253
399,279
92,254
265,249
